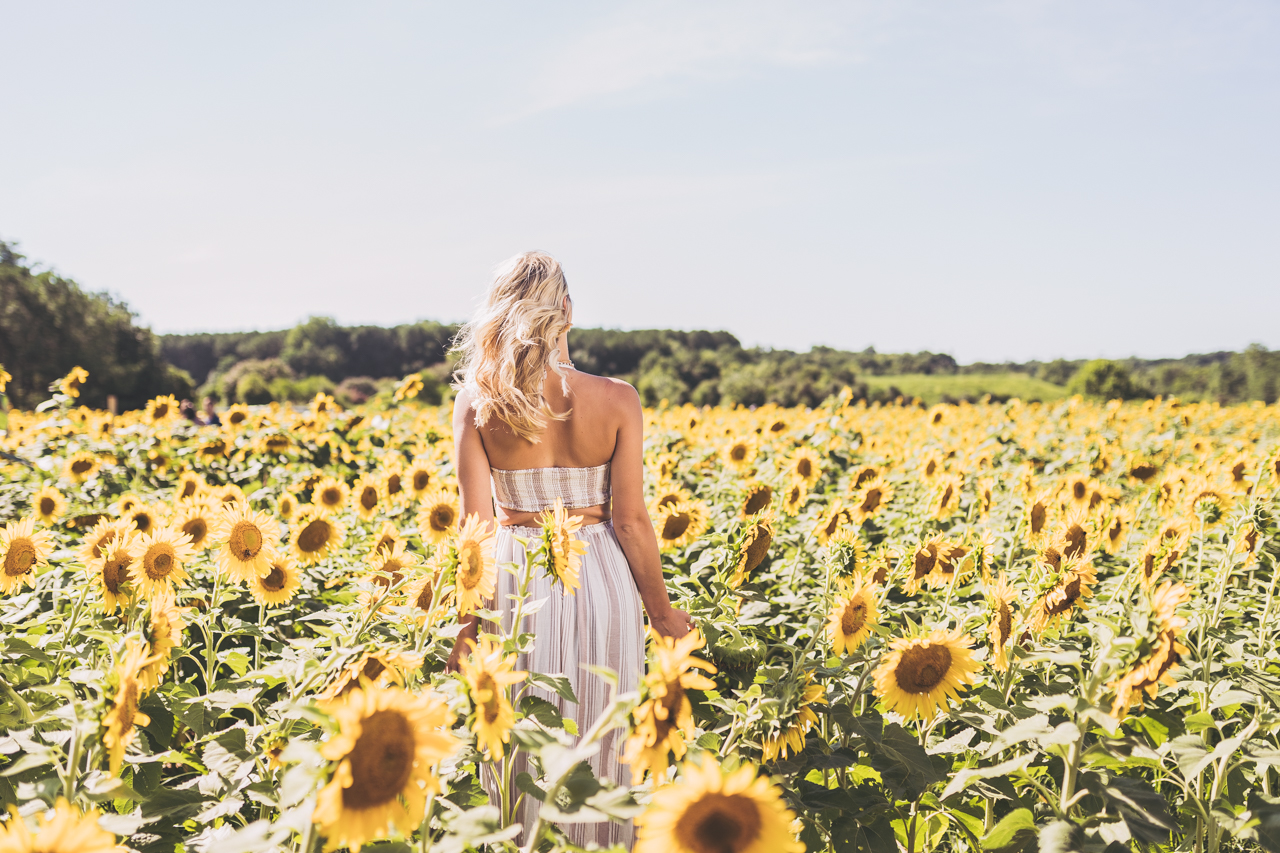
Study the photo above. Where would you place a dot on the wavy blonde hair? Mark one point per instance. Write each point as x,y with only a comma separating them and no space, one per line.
510,343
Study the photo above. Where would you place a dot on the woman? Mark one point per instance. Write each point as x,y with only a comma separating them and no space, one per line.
535,428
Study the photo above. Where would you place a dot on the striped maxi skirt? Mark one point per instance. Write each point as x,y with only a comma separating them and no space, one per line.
600,625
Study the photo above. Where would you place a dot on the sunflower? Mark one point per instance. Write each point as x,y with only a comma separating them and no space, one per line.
668,494
279,585
422,478
386,538
1207,501
273,443
248,542
665,719
1238,473
711,811
409,387
315,535
147,518
1000,599
197,518
931,465
791,737
103,533
804,464
390,561
864,474
919,675
488,675
925,562
847,555
1273,470
794,497
66,830
757,497
81,466
1159,555
564,549
1073,533
122,721
851,619
1077,488
418,596
754,547
477,573
190,485
48,504
438,516
1072,584
870,498
392,484
286,506
946,497
1148,673
1115,532
1246,542
1036,519
112,570
5,379
377,668
161,555
70,384
365,497
387,742
986,496
1165,602
680,524
23,549
164,634
235,417
161,409
740,452
832,521
127,503
330,495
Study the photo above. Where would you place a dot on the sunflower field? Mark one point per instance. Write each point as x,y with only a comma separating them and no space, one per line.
989,627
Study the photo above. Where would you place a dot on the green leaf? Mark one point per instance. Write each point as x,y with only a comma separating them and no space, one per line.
1013,833
1061,836
557,684
1142,808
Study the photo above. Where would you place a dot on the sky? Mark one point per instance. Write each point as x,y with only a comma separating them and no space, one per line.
993,180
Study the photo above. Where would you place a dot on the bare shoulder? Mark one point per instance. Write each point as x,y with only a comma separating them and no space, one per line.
464,409
612,394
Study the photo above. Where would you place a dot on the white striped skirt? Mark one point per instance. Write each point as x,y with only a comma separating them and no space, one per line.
600,625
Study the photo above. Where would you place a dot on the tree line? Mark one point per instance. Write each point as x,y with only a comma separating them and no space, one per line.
49,324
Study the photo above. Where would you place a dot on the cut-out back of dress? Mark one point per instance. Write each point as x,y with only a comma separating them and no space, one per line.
536,489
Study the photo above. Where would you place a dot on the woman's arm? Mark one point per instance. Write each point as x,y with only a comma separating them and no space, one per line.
631,519
471,464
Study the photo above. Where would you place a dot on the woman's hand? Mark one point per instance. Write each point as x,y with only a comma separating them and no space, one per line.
671,623
463,645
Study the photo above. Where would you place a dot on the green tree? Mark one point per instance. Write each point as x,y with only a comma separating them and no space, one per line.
1109,380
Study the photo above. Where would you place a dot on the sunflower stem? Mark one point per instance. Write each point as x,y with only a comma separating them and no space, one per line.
67,632
206,625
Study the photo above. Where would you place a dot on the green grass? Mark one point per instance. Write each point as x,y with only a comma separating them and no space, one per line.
932,388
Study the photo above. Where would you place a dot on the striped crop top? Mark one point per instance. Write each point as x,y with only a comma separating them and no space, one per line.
536,489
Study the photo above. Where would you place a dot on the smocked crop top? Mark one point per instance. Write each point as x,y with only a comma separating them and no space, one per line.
536,489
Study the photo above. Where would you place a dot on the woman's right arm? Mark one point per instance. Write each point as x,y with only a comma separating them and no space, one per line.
471,464
631,519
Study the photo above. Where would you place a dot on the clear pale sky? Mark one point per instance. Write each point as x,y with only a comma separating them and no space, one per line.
994,180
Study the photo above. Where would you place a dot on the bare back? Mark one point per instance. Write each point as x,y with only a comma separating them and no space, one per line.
601,415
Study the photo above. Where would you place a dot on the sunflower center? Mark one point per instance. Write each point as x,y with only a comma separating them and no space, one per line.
1079,490
107,539
738,453
421,479
80,466
20,557
488,695
854,616
188,488
1004,623
381,760
142,521
441,518
864,475
470,566
923,668
758,500
113,571
275,580
1076,540
423,601
197,528
158,562
930,468
47,505
1038,516
719,823
758,548
245,540
926,559
368,497
331,496
804,468
393,485
127,705
314,536
675,525
1053,557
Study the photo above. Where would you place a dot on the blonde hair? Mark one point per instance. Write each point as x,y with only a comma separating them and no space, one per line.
510,343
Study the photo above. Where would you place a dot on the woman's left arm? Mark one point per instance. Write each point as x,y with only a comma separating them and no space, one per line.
471,464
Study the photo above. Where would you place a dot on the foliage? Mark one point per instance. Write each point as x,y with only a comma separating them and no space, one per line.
954,387
1110,570
1107,380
